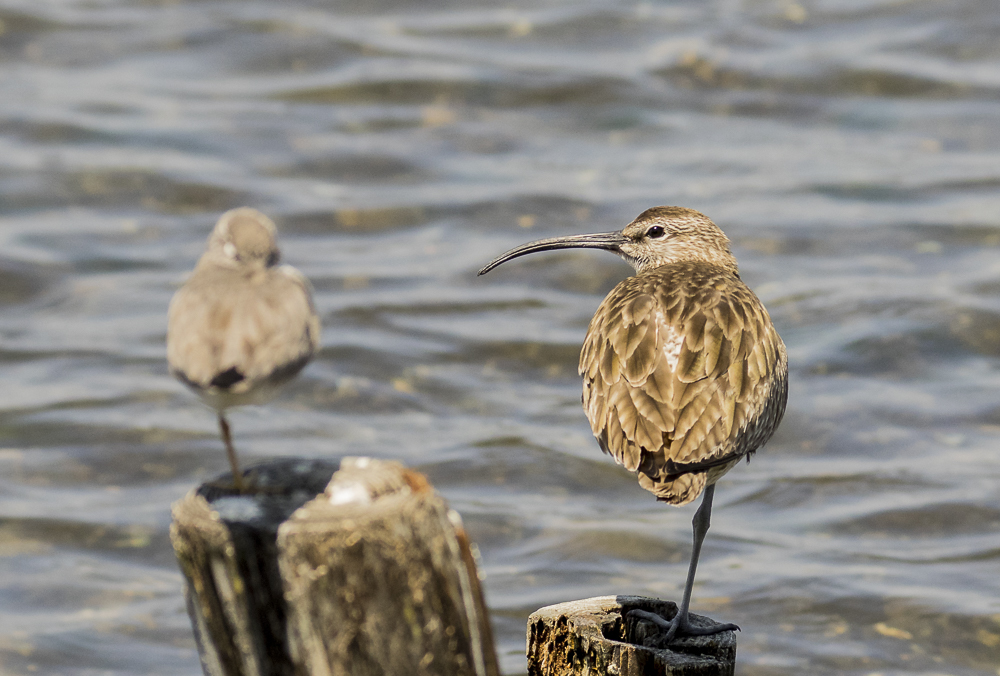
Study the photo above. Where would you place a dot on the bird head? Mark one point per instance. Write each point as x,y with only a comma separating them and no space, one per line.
244,237
658,236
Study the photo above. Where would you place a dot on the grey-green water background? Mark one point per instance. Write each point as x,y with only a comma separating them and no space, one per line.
850,148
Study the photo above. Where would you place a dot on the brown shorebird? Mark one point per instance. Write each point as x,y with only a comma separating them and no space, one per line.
241,326
683,372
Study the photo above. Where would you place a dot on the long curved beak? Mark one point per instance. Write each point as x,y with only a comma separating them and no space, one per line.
609,241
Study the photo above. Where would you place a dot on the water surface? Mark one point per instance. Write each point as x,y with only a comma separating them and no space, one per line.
850,149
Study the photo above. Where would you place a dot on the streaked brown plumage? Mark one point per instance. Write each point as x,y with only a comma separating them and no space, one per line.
241,326
684,373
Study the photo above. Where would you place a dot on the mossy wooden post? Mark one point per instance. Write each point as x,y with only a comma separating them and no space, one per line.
362,571
597,637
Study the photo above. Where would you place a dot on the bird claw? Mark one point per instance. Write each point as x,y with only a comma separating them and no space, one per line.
679,626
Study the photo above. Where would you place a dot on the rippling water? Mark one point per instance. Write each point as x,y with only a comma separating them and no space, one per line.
850,148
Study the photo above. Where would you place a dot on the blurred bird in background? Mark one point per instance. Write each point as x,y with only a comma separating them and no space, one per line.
241,326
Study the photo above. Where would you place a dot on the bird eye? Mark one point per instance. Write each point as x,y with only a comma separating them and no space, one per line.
655,231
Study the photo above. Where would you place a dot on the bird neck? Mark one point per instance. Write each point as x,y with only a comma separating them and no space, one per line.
719,259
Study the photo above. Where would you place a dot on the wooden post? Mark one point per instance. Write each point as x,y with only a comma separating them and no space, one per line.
596,637
367,573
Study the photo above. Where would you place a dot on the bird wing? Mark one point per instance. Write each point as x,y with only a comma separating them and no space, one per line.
680,367
225,324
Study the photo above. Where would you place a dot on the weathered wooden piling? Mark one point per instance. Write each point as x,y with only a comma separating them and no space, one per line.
361,571
597,637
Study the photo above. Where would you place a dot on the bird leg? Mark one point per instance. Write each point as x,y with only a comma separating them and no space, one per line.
227,439
680,625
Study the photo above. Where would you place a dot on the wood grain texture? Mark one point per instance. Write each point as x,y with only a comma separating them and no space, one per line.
360,572
225,544
381,580
597,637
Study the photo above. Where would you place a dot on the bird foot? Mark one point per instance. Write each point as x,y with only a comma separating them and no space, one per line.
680,626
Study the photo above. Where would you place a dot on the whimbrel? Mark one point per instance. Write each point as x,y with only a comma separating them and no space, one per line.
683,372
241,326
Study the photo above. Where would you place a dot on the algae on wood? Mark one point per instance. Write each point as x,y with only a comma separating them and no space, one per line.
367,572
597,637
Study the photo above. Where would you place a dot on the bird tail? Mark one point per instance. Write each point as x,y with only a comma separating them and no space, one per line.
676,490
